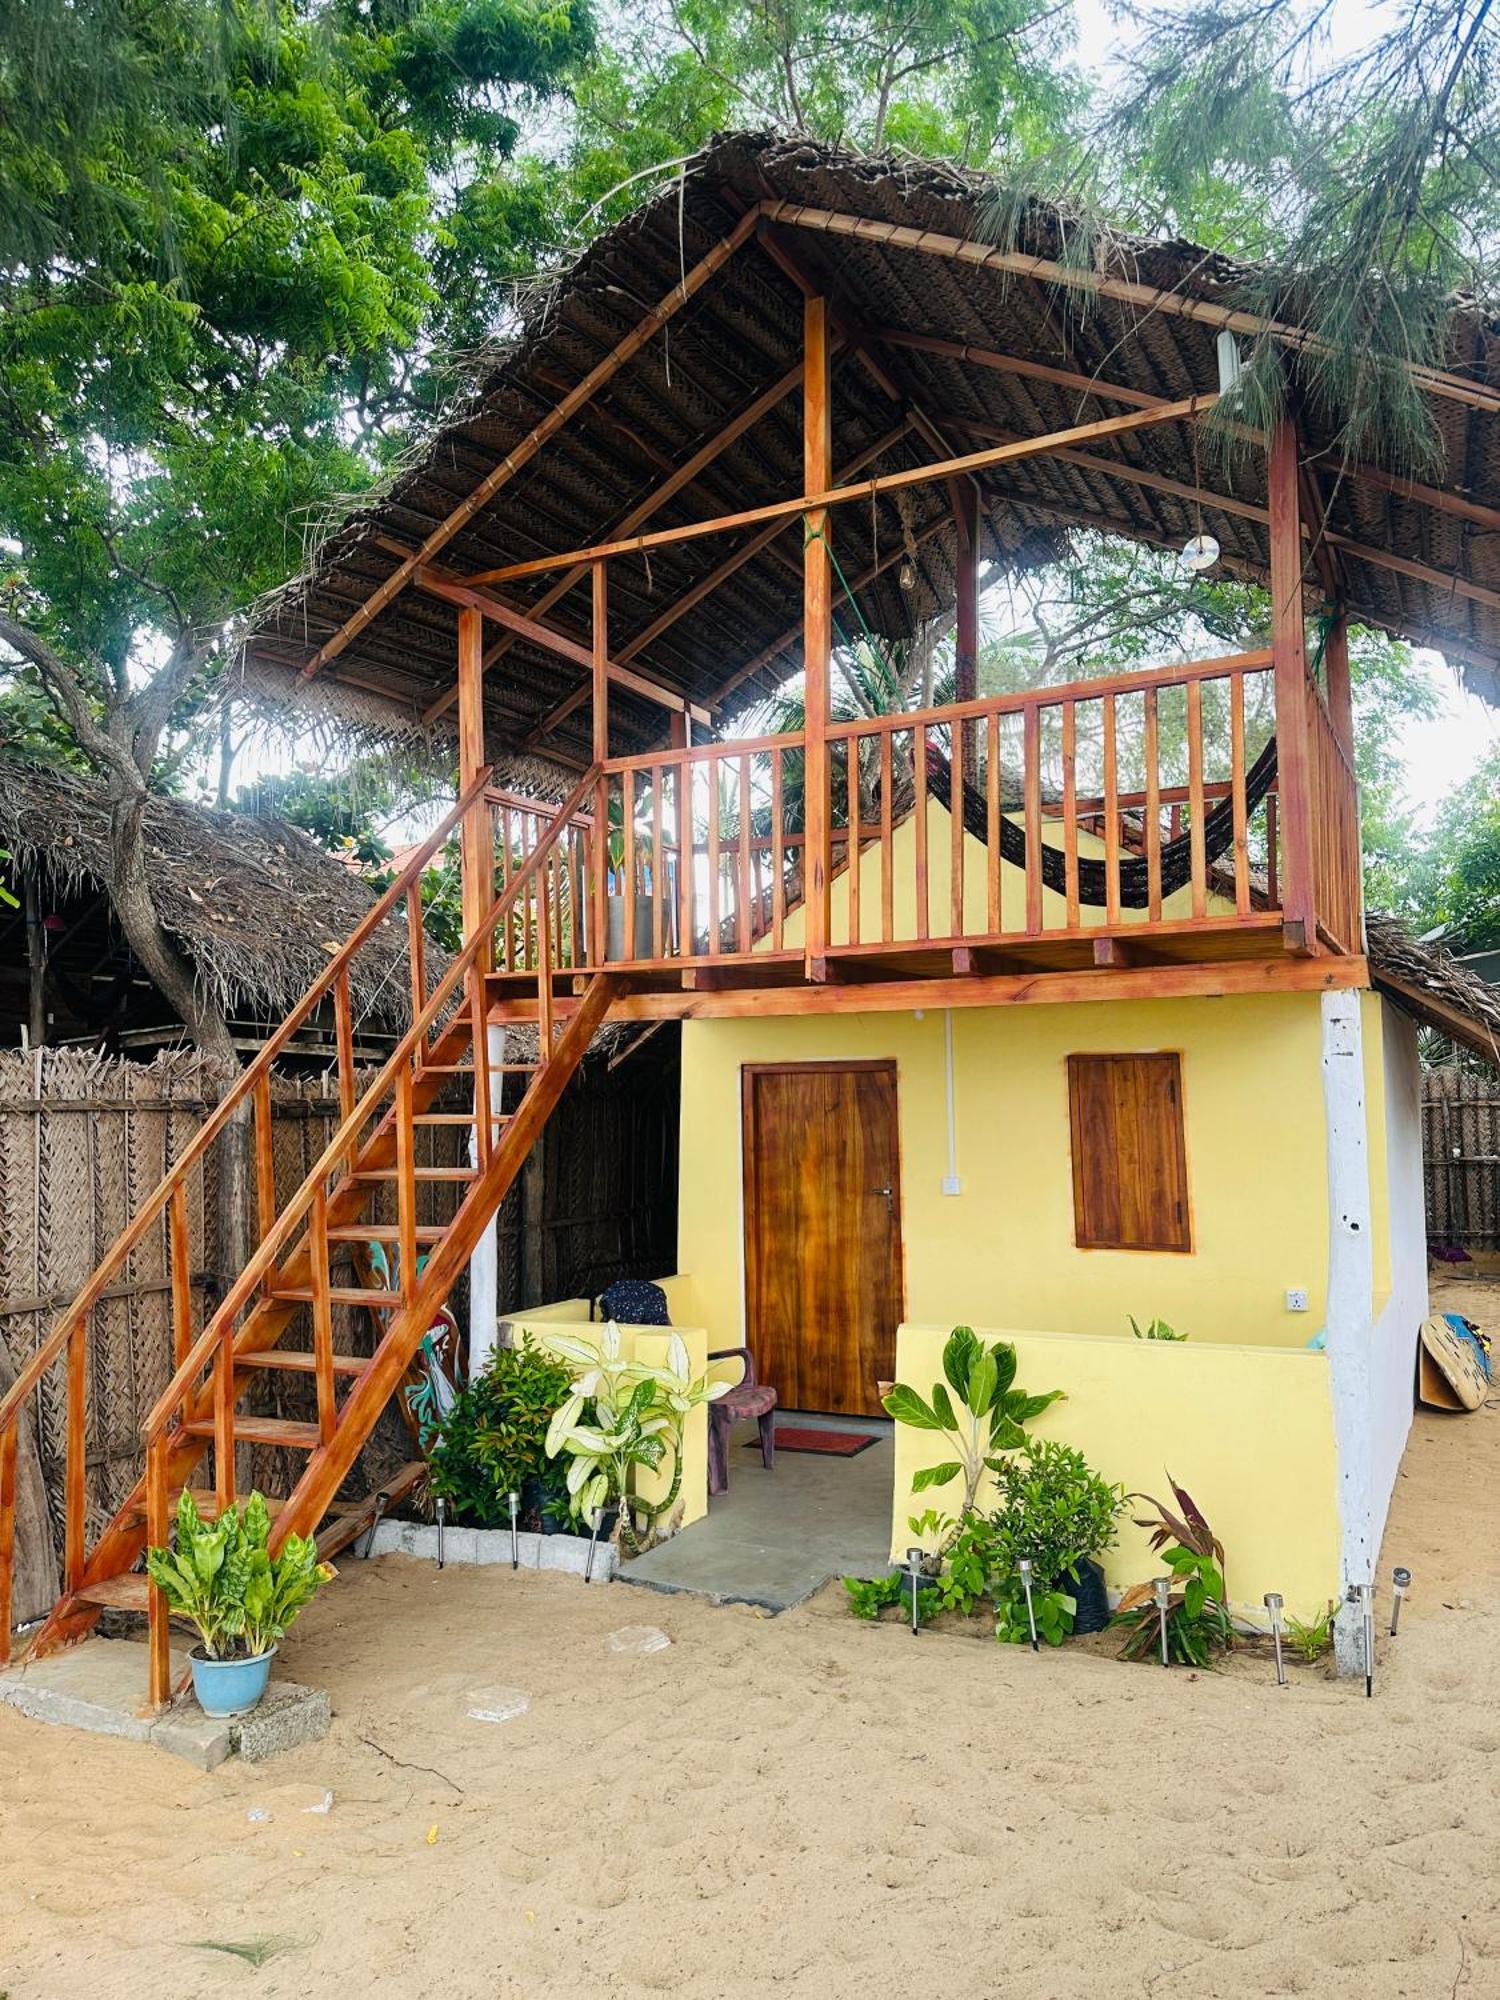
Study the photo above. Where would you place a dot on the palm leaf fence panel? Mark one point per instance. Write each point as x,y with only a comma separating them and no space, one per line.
85,1138
1461,1157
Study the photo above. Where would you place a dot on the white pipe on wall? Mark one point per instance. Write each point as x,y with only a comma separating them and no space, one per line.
951,1182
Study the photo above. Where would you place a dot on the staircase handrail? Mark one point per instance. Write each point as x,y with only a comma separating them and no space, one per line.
340,1146
242,1087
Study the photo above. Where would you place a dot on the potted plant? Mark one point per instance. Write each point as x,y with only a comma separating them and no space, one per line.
1057,1513
623,1415
221,1577
493,1442
988,1419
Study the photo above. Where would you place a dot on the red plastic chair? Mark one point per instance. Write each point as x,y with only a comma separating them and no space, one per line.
746,1400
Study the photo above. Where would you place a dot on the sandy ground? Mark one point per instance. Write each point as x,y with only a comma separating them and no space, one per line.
797,1805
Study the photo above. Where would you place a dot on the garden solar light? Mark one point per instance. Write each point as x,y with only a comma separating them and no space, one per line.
1400,1584
515,1550
1025,1568
1273,1608
442,1509
914,1568
1161,1590
381,1500
596,1515
1366,1595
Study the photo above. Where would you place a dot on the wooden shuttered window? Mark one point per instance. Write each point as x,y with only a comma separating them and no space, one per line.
1129,1153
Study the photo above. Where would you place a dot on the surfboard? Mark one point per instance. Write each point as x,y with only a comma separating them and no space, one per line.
1449,1373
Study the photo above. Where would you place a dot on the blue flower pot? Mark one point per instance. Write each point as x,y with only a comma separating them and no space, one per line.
229,1687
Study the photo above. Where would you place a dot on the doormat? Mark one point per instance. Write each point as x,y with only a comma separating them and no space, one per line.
827,1444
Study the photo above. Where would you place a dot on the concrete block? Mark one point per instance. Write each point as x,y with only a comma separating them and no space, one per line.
287,1717
458,1545
203,1741
101,1686
492,1547
570,1555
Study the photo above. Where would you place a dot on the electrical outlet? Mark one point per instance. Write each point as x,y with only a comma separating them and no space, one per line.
952,1184
1296,1300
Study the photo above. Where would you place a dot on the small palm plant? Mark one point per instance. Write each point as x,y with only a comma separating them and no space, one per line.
989,1417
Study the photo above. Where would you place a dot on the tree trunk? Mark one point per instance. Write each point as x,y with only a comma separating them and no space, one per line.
168,971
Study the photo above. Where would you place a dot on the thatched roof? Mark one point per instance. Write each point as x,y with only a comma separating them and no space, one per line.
254,904
1430,983
741,333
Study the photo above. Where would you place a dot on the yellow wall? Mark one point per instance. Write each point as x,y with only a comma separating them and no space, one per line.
976,894
647,1344
1001,1252
1248,1433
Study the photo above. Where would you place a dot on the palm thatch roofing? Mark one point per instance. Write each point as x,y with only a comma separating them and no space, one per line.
741,333
254,905
1429,982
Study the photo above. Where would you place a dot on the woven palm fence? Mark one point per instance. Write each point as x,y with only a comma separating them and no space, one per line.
1461,1157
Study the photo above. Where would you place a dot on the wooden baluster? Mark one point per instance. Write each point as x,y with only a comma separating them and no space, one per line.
406,1179
8,1445
1073,915
956,829
1031,755
851,869
992,822
223,1395
555,905
712,766
77,1440
322,1310
1237,794
544,995
1273,860
778,856
887,841
1197,848
508,945
1111,815
416,951
627,865
742,886
343,1033
265,1156
180,1261
658,865
158,1528
480,1050
1151,750
686,858
919,809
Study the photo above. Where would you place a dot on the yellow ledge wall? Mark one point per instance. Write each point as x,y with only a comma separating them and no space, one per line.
1002,1251
1248,1433
647,1344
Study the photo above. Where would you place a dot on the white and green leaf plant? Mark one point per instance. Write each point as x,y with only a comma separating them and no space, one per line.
624,1414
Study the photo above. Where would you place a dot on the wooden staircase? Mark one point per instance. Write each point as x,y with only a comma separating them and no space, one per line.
198,1418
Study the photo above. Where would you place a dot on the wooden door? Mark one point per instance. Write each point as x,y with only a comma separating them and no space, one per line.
823,1231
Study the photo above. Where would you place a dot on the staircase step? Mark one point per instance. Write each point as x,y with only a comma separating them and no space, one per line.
457,1118
304,1364
204,1498
338,1295
454,1174
262,1430
467,1069
117,1593
383,1232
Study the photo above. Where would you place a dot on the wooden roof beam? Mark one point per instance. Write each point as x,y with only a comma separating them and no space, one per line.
556,418
1188,410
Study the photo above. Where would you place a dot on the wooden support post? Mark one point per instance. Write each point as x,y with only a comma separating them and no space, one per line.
477,860
1340,698
965,495
600,869
159,1641
1289,650
817,626
77,1439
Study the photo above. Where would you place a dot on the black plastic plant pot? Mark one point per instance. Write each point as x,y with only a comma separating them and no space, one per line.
1086,1584
926,1580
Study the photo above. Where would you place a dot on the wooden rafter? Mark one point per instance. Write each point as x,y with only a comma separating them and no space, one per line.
1188,410
623,351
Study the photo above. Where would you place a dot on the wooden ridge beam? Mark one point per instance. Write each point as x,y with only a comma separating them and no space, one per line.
1125,291
1190,409
521,454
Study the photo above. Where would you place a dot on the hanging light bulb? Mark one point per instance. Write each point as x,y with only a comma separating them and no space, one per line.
1200,552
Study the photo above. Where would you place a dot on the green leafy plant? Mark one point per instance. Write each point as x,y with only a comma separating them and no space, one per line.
1198,1623
1054,1611
1311,1638
620,1416
1054,1510
870,1595
221,1577
989,1416
493,1441
1156,1329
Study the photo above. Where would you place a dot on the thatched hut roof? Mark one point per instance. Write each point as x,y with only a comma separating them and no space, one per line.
1430,983
742,333
254,904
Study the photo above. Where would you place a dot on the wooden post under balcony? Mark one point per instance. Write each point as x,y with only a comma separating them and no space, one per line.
817,629
1340,697
475,847
1289,651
